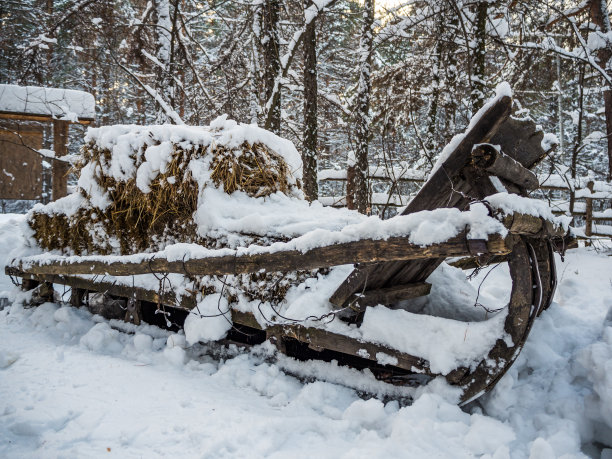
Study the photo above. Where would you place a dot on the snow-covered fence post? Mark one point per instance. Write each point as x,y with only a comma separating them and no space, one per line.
588,218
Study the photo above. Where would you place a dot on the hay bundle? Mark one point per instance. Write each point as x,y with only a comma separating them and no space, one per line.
140,187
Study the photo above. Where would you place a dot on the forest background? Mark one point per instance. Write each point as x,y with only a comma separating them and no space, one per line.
350,83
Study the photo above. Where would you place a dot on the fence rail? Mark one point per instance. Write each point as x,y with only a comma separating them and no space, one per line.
588,201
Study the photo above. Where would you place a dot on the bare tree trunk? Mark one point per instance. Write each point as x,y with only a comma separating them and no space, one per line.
451,77
271,52
254,71
479,54
49,76
163,53
432,118
362,112
578,141
309,155
599,15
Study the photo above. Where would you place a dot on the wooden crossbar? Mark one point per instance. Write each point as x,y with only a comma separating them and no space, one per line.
363,251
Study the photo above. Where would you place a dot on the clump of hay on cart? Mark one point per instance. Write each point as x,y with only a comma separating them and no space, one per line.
140,187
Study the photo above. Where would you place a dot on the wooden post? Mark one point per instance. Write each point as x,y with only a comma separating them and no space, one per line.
588,224
350,187
76,297
60,168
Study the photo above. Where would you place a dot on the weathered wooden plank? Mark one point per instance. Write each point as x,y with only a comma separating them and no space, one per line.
20,163
393,248
517,325
27,117
478,262
319,338
112,288
521,140
389,295
487,158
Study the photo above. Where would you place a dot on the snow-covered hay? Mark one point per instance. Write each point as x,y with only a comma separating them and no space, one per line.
140,187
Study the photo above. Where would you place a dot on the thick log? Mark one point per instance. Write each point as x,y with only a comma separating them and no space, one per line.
521,140
389,295
364,251
530,225
487,158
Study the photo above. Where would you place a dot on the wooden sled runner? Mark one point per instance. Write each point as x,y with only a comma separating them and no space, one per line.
388,270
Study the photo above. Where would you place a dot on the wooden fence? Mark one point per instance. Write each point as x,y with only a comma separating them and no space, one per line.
588,201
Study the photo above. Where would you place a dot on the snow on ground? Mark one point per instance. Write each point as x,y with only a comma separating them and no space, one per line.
73,386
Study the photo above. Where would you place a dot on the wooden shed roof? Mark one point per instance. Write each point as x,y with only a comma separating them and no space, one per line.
34,103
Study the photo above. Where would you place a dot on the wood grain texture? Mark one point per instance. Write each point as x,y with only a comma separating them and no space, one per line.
20,165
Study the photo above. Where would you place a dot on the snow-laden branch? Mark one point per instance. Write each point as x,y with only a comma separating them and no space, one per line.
549,45
169,112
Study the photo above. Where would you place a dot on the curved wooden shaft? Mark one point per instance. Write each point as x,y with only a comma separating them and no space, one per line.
532,271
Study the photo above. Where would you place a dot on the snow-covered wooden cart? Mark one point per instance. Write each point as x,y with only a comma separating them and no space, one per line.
473,210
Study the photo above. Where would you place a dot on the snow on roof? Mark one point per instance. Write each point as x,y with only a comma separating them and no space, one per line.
65,104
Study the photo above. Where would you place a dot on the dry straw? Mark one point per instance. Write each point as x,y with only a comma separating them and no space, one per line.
137,221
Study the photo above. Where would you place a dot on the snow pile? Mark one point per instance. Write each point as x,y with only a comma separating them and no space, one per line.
76,385
209,322
65,104
445,343
597,363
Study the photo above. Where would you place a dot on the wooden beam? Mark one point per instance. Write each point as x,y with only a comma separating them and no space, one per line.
319,338
112,288
60,169
530,225
487,158
364,251
386,296
34,117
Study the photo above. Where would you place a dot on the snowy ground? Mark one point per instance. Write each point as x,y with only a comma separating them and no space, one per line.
73,386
